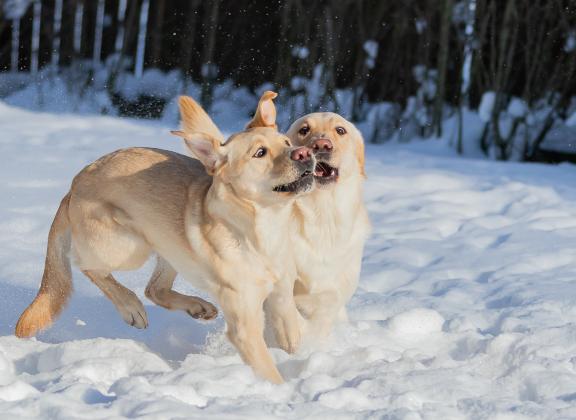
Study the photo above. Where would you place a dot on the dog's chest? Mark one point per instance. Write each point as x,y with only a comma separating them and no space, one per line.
326,235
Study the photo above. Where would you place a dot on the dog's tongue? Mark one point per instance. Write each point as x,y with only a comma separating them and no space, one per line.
321,170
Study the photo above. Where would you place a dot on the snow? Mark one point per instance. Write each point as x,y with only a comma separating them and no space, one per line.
570,44
465,308
371,50
15,9
571,121
300,52
151,82
487,106
517,108
416,323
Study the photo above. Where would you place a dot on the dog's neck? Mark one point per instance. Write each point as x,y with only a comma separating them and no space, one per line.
246,220
328,213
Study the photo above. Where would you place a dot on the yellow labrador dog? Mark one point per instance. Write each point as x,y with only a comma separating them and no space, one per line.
332,221
221,220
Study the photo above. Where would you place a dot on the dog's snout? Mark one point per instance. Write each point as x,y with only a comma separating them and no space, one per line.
322,145
302,154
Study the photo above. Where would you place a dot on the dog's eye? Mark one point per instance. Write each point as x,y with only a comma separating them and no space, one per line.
261,152
341,131
304,130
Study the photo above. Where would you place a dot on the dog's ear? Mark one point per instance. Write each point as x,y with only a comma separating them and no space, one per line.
205,148
265,115
360,152
196,120
360,156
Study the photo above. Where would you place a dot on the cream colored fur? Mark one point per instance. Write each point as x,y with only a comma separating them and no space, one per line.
331,225
217,222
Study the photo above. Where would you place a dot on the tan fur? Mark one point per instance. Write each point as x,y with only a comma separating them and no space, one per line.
224,233
265,115
196,120
360,157
331,225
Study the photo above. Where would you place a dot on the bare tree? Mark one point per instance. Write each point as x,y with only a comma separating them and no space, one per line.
209,69
442,63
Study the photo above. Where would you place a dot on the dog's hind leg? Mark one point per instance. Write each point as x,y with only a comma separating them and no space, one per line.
125,300
159,291
320,310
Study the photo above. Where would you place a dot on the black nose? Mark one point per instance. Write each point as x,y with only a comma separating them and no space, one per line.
322,145
302,154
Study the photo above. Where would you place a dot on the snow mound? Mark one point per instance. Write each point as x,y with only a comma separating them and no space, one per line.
517,108
416,322
487,106
571,122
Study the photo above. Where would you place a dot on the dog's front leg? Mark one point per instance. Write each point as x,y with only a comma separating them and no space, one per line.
284,318
243,311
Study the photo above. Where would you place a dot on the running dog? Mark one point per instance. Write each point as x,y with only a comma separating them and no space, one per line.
332,222
221,220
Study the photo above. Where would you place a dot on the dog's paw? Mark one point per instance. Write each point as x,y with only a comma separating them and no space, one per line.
288,336
201,309
291,343
134,314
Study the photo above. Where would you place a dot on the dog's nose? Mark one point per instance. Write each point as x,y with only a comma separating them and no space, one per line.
302,154
322,145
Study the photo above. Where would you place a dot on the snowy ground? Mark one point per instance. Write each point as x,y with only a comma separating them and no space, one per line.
466,307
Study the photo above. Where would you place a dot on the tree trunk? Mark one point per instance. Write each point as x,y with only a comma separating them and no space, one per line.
99,28
506,47
125,37
329,59
156,35
141,44
443,52
35,50
55,59
14,57
187,45
282,73
78,22
209,69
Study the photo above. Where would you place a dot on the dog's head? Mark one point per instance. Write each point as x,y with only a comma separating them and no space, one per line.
259,163
336,143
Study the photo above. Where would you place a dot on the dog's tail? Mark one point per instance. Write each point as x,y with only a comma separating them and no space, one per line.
56,285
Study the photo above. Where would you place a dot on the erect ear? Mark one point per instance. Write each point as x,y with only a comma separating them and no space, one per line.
265,115
205,148
196,120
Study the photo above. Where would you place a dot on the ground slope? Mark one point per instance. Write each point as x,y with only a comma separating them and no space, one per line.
466,306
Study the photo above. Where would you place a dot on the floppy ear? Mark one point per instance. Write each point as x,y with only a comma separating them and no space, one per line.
265,115
205,148
196,120
360,153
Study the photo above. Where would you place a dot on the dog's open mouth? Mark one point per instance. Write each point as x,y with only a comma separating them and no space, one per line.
324,173
301,184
